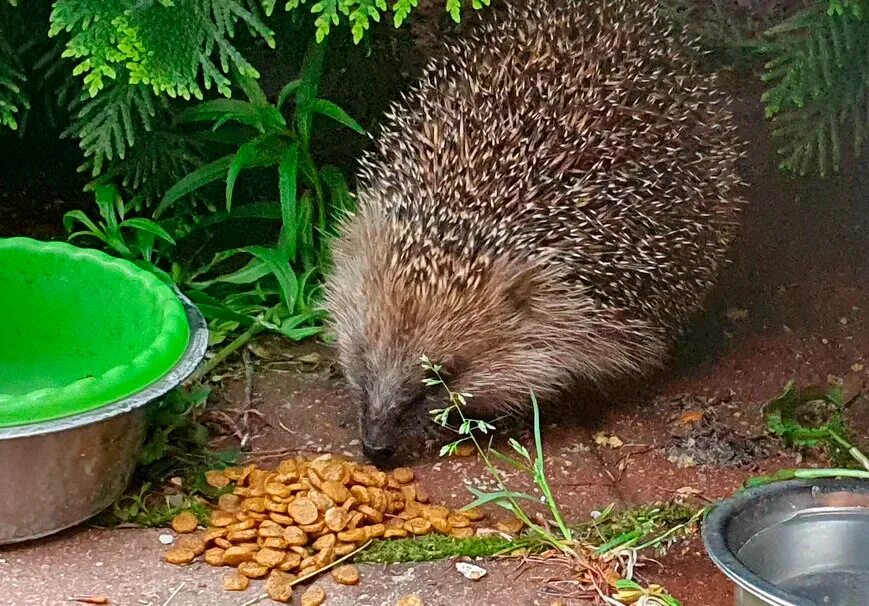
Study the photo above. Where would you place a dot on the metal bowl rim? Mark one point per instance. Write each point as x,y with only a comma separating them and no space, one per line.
715,526
193,355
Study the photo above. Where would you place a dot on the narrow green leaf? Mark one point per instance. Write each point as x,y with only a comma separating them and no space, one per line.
289,89
287,184
193,181
329,109
149,226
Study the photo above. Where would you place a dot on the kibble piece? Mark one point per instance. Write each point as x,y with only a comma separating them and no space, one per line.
377,499
281,519
418,526
325,557
222,518
294,535
303,572
235,582
184,522
314,528
342,549
270,557
360,493
510,525
303,511
403,475
395,533
255,504
327,540
308,562
411,510
421,494
410,600
243,525
374,531
356,518
253,570
372,514
179,556
289,468
193,543
275,543
279,587
321,500
473,514
216,479
291,561
336,519
212,534
273,506
302,551
356,535
214,556
239,536
278,489
270,529
463,533
336,491
238,554
435,511
346,575
222,543
313,596
441,525
457,520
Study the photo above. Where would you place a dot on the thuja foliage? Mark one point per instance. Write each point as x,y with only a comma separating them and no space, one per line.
818,76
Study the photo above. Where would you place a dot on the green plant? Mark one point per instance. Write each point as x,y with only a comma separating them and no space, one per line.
818,77
134,239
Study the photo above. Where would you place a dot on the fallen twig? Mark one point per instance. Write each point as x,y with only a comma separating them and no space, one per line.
173,594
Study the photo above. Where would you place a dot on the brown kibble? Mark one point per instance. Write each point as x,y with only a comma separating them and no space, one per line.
270,529
253,570
179,556
294,535
375,531
278,489
273,506
473,514
418,526
270,557
342,549
239,536
409,492
291,561
315,528
325,557
336,519
360,477
255,504
457,520
289,468
410,600
327,540
441,525
510,525
279,586
234,474
360,493
241,491
214,556
377,499
336,491
193,543
313,596
222,543
411,510
281,519
465,532
185,522
465,449
307,570
302,551
308,562
303,511
275,543
691,417
356,535
243,525
356,519
429,512
235,582
371,513
222,518
421,494
395,533
212,534
216,479
403,475
321,500
346,575
237,554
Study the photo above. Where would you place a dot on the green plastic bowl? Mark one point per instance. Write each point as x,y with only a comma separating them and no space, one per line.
80,329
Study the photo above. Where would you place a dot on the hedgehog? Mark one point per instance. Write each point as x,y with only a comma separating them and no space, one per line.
544,209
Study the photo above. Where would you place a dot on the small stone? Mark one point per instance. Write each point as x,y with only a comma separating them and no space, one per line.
166,539
470,571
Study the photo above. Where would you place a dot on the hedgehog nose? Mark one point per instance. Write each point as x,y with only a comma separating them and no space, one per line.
379,454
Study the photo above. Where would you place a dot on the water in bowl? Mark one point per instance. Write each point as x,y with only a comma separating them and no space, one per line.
820,555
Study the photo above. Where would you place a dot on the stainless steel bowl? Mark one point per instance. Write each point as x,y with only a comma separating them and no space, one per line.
795,543
57,474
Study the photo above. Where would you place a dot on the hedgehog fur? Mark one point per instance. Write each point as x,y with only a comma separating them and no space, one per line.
545,208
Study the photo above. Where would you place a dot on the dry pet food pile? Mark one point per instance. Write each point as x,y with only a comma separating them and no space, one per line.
291,522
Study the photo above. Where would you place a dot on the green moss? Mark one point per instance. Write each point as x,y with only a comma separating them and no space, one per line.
434,547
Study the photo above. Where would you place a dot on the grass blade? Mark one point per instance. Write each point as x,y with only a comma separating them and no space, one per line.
193,181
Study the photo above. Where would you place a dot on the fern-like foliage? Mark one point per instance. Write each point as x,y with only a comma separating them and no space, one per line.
819,93
13,100
173,46
360,13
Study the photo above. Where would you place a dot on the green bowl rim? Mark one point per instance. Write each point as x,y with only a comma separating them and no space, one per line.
172,315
